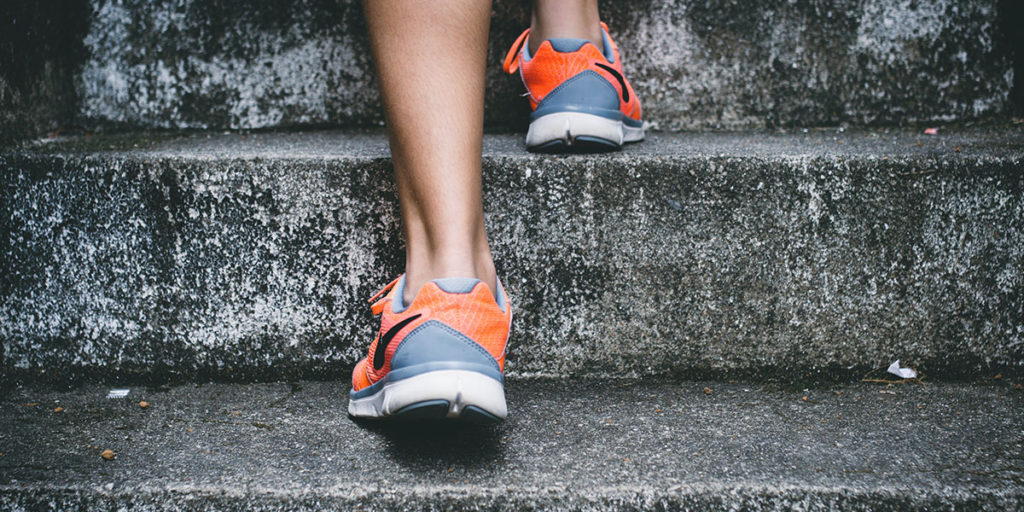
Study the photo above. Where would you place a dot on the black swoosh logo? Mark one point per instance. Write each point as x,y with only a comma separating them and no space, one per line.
384,341
618,76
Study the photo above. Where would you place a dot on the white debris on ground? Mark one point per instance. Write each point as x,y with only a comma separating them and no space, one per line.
117,393
906,373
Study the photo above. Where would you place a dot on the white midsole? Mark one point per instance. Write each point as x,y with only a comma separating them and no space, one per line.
461,388
566,126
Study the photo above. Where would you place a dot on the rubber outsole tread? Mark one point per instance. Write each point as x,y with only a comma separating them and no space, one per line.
581,144
436,411
474,414
430,409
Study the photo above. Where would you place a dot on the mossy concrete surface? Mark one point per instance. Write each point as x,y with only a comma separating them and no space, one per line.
770,255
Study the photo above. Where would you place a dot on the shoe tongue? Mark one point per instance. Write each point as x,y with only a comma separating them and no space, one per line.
567,44
456,284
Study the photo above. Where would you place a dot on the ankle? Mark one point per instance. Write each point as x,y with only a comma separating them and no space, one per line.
554,19
418,274
540,34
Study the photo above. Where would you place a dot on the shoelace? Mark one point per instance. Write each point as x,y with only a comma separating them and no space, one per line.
511,63
378,306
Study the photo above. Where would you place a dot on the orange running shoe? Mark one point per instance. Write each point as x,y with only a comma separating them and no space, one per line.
441,356
580,99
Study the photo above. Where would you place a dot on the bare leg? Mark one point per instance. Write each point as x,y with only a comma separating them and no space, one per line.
565,18
431,57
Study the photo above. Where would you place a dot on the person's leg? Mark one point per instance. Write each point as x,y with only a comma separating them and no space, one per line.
431,59
564,18
440,349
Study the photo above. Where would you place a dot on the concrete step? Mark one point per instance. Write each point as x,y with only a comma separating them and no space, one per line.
695,63
568,445
817,255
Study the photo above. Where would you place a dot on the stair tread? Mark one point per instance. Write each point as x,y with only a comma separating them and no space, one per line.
997,140
605,443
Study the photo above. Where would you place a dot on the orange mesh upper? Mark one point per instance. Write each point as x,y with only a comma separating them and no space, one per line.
475,314
547,69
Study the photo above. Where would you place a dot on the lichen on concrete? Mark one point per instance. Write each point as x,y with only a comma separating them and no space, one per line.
231,65
695,63
820,255
157,287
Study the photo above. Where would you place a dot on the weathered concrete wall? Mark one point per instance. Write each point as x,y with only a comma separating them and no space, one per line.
820,255
237,64
695,63
40,53
724,64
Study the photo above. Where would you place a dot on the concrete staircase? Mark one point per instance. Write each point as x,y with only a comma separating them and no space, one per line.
694,315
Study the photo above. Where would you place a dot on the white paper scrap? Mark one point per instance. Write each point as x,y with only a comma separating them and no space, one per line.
117,393
905,373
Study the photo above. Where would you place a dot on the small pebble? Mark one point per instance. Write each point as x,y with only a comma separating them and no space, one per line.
107,454
59,409
144,404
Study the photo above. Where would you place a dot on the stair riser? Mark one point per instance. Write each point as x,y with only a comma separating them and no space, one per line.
774,267
695,64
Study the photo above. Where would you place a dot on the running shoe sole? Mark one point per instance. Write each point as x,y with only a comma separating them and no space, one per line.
578,131
444,394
